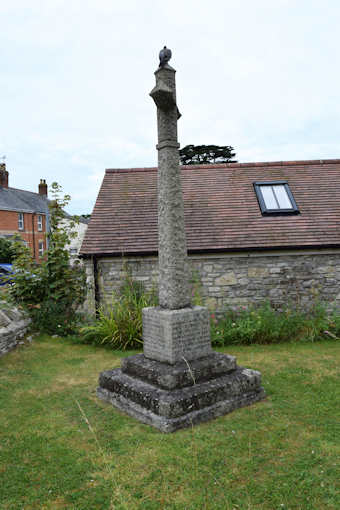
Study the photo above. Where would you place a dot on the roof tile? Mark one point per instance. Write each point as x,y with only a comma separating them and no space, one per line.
221,209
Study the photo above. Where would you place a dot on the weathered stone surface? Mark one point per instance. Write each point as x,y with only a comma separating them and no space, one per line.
211,304
181,374
174,335
228,278
4,320
173,287
257,272
163,96
171,410
173,269
89,306
13,326
286,272
172,424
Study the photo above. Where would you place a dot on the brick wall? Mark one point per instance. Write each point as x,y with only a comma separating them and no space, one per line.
30,233
236,279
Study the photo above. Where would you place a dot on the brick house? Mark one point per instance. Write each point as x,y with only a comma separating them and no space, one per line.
24,213
255,231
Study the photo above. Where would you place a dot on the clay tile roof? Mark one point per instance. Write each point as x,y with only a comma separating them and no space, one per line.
221,208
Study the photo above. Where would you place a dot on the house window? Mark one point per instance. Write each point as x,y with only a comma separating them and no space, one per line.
41,248
21,221
40,222
275,198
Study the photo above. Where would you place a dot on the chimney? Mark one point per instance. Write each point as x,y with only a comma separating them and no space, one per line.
3,176
43,188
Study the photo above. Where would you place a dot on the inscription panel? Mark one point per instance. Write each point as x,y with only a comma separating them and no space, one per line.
174,335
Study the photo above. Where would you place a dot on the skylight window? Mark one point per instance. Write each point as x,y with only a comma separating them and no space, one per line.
275,198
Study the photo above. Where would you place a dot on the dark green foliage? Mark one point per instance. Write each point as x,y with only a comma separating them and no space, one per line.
119,324
204,154
264,324
52,291
7,251
59,316
333,324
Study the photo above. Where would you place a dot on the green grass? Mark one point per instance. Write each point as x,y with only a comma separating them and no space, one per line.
62,448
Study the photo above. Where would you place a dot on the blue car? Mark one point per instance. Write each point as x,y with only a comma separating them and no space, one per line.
6,274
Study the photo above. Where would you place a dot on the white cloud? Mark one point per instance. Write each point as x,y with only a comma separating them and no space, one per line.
261,76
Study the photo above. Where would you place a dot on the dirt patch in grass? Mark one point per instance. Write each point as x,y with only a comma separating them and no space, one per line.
57,504
63,381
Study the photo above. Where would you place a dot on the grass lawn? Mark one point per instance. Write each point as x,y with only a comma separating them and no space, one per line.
62,448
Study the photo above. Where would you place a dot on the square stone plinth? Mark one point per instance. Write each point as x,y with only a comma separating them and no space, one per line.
172,336
181,374
169,410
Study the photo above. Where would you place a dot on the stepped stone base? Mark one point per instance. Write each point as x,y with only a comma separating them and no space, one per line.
170,397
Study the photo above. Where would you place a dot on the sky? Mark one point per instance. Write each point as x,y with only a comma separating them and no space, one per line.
260,75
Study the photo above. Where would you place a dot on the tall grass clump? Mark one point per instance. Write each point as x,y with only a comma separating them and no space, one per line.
119,323
264,325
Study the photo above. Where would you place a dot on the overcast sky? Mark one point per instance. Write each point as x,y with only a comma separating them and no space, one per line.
260,75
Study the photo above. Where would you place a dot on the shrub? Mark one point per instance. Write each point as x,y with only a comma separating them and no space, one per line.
119,324
333,329
7,251
54,317
264,324
52,291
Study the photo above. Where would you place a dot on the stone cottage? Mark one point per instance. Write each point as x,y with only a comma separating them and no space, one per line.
255,231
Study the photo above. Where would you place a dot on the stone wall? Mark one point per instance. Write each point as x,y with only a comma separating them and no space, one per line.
13,326
237,279
88,307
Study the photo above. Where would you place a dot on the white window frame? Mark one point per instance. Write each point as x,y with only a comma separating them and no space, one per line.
40,222
278,210
41,248
21,224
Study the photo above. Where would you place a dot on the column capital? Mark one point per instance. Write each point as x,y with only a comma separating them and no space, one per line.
165,68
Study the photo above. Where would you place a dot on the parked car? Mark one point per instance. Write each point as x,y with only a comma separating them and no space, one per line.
6,274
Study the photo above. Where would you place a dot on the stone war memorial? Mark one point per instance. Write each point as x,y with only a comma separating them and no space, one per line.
179,380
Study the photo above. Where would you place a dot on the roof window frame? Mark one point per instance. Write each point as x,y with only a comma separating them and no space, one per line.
275,212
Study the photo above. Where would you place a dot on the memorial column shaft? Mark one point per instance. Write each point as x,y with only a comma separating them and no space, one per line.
173,265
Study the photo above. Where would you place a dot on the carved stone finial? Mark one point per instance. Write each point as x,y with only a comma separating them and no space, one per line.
164,56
